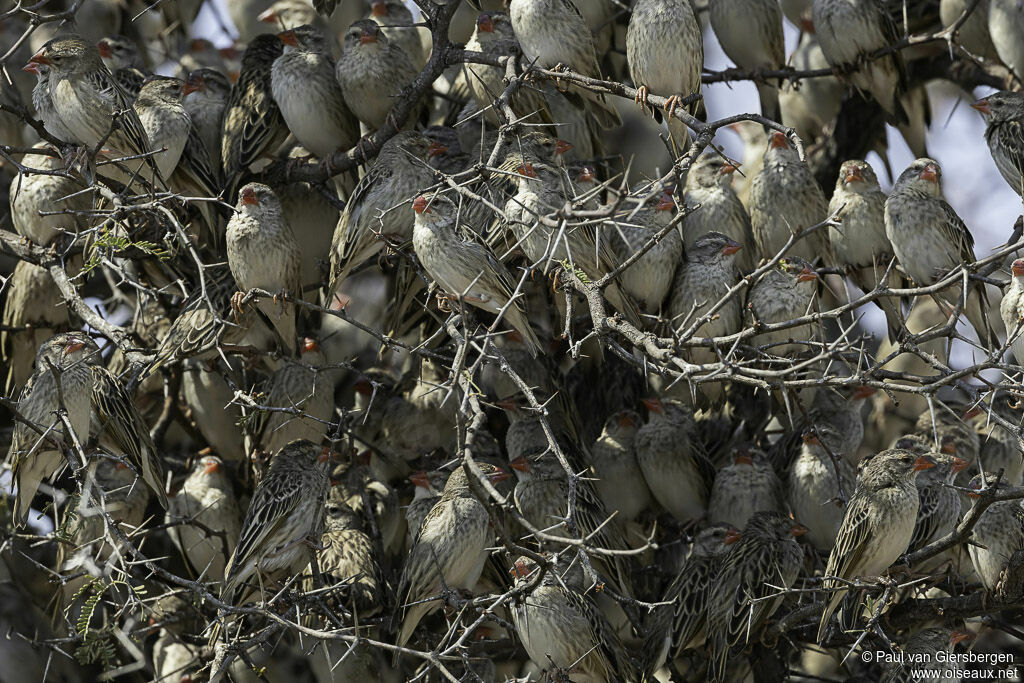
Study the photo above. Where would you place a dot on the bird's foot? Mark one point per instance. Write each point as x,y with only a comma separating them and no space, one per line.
671,105
295,162
444,303
236,304
641,98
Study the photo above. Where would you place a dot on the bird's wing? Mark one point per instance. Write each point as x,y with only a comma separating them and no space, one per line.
851,539
270,508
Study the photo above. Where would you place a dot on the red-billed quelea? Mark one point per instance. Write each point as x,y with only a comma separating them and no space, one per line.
263,254
682,624
850,30
205,96
538,195
377,212
450,551
253,125
282,522
1004,132
814,483
619,482
672,460
164,119
308,95
999,448
973,34
372,72
397,21
716,207
929,240
565,631
1000,532
465,268
1006,27
208,499
665,51
42,102
761,560
878,524
701,281
32,193
785,199
938,509
33,459
648,279
88,103
427,488
304,385
785,292
859,245
747,486
750,32
33,312
553,33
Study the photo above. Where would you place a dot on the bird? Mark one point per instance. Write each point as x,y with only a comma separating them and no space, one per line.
286,513
564,630
164,119
999,531
716,207
1004,133
762,559
397,21
671,460
206,517
263,254
1005,26
938,508
494,35
449,552
252,122
538,194
553,33
62,381
56,195
304,86
785,199
619,482
815,483
851,30
373,72
206,392
205,96
350,561
998,444
878,524
376,212
33,312
929,240
465,268
973,34
665,53
648,279
42,102
681,623
815,102
859,245
743,488
303,385
701,281
88,104
427,487
927,645
750,32
784,293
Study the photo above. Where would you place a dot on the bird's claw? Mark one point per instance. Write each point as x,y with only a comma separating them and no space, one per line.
671,105
236,304
641,98
443,302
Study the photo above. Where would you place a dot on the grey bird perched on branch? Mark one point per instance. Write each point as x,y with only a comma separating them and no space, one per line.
465,268
930,240
750,32
878,525
552,33
665,51
303,82
1004,132
284,517
1000,531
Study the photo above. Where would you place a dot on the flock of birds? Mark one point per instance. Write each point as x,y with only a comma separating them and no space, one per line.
472,401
